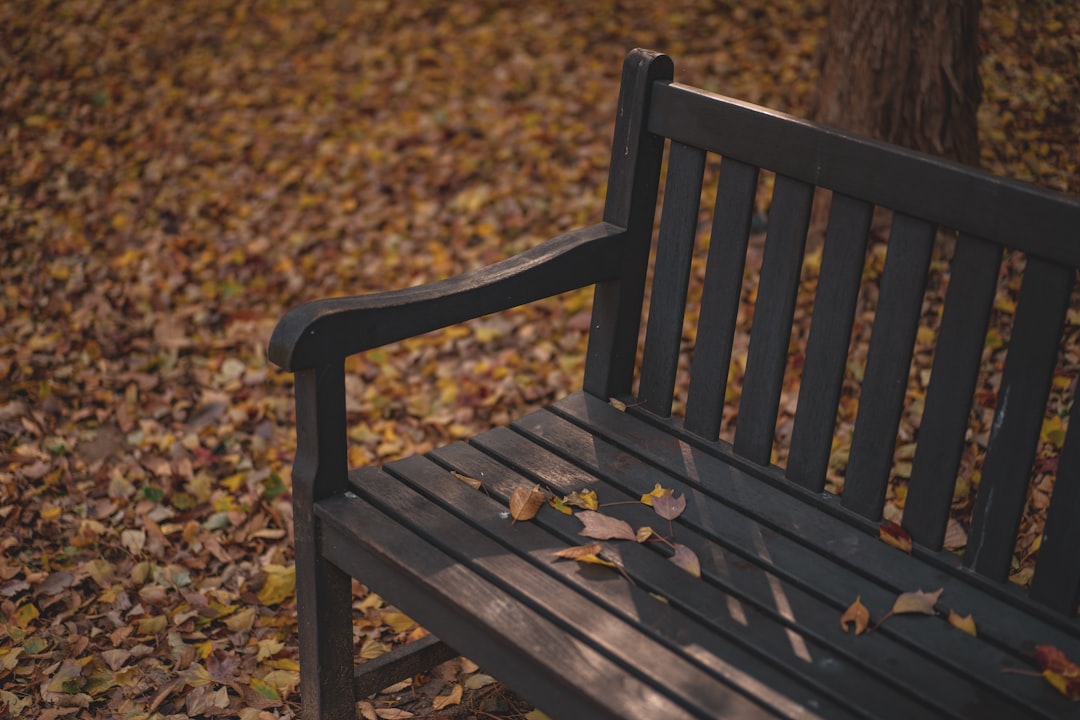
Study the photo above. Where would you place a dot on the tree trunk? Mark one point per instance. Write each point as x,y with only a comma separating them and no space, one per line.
905,71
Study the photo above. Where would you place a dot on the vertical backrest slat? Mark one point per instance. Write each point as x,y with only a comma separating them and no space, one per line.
633,180
1057,572
843,256
946,412
887,364
770,332
720,297
671,275
1021,403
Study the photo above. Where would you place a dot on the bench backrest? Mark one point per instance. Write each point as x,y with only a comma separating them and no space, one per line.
989,214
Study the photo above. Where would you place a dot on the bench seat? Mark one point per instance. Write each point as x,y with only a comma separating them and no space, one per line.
758,635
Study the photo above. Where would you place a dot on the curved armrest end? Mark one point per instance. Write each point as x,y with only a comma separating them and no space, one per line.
338,327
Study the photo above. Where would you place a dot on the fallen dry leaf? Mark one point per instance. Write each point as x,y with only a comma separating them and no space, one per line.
965,623
668,506
856,614
656,492
573,553
1059,670
524,504
686,559
892,533
451,698
585,499
599,526
559,505
916,602
471,482
644,533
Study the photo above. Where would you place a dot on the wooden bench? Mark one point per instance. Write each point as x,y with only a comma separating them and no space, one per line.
759,633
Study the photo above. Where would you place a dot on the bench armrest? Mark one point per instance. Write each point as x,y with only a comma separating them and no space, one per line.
317,331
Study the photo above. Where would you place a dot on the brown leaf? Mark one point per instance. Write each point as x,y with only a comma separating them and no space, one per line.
524,504
604,527
856,614
966,623
892,533
687,560
471,482
1059,670
669,507
573,553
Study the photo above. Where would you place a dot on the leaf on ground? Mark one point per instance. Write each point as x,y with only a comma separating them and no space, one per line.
669,507
393,714
280,584
599,526
1059,670
478,681
524,504
686,559
471,482
585,499
916,602
965,623
856,614
656,492
892,533
444,701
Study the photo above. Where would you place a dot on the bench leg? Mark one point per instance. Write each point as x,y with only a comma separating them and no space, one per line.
324,615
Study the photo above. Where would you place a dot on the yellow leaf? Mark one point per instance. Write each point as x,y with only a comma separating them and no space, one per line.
583,499
617,404
151,625
241,621
917,602
26,615
559,505
655,493
399,622
267,691
644,533
280,584
268,648
967,624
444,701
282,680
372,649
536,715
856,614
525,503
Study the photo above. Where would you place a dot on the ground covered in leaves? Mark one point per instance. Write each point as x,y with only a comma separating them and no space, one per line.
174,175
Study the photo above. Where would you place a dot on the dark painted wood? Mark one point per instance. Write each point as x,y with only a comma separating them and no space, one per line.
633,181
401,663
1057,574
758,634
1025,382
720,296
1003,211
770,333
946,412
842,260
323,590
566,675
812,588
675,249
888,362
784,505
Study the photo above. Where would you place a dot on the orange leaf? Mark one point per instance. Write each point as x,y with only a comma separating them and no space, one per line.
857,614
917,602
444,701
525,503
1059,670
893,534
471,482
573,553
967,624
686,559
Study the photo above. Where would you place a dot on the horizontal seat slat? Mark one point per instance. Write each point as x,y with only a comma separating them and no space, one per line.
738,596
1001,614
472,612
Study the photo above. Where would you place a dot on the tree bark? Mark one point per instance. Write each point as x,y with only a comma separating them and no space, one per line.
905,71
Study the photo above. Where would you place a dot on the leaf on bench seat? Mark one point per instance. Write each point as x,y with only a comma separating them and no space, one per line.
1059,670
669,507
471,482
892,533
524,504
585,499
856,614
585,554
686,559
965,623
599,526
656,492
